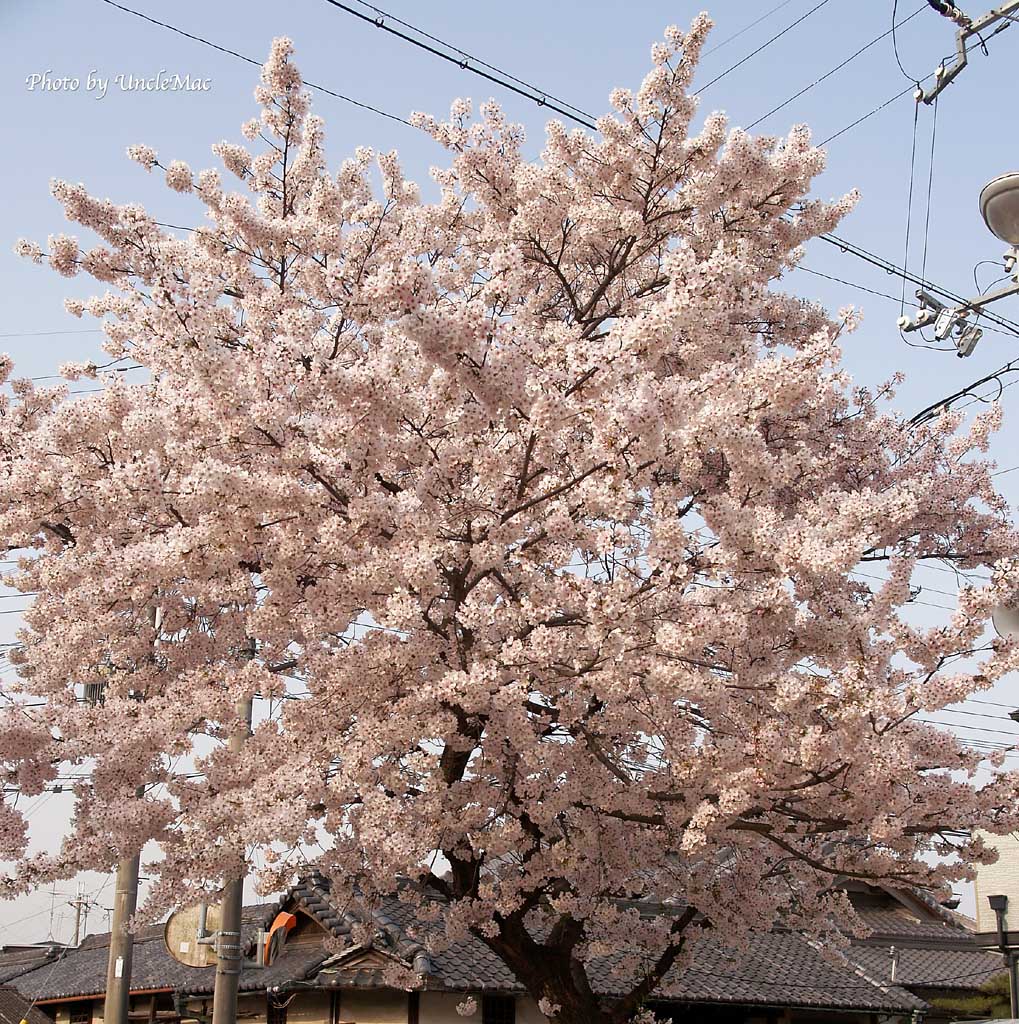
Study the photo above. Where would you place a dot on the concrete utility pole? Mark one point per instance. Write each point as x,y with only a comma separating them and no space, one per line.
118,971
125,901
79,903
229,952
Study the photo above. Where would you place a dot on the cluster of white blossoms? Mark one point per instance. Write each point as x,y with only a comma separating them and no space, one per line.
544,498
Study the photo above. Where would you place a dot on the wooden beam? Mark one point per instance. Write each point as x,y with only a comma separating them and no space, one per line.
97,995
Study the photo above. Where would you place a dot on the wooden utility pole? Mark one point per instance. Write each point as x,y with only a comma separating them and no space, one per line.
229,951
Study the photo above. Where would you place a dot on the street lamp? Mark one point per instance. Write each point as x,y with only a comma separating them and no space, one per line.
999,207
999,904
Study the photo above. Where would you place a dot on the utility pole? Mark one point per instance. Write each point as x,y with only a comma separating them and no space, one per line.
947,72
125,901
79,903
118,971
229,952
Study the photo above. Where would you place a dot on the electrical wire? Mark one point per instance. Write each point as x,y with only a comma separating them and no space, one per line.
761,48
899,95
909,219
930,188
884,295
943,404
832,239
987,398
470,57
43,334
256,63
870,113
989,703
747,28
848,284
971,728
975,714
463,63
852,249
976,279
895,43
836,69
884,579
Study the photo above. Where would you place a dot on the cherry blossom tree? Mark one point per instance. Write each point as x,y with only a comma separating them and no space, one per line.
584,569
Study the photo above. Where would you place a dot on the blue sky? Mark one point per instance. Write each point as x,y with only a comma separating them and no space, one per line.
578,51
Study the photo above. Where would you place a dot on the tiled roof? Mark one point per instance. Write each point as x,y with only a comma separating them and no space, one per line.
15,1008
776,969
935,947
82,971
898,921
929,968
14,962
783,970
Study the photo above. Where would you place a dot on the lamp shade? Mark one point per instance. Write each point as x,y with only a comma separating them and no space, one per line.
999,206
1005,619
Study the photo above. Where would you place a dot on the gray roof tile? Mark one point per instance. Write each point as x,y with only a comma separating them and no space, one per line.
776,969
82,971
900,922
929,968
20,961
14,1008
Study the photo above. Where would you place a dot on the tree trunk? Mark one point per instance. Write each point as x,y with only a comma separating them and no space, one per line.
549,974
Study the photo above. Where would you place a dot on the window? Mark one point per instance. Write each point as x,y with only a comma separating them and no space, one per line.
81,1013
275,1014
498,1010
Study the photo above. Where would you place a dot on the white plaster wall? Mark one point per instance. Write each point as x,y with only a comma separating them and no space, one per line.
375,1007
1001,878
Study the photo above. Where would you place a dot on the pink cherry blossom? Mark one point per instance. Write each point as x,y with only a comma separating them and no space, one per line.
543,505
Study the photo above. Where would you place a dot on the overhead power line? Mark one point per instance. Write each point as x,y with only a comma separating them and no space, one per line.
762,47
870,113
892,268
521,87
881,295
464,60
832,239
542,99
838,67
892,298
746,28
898,96
843,281
256,63
42,334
